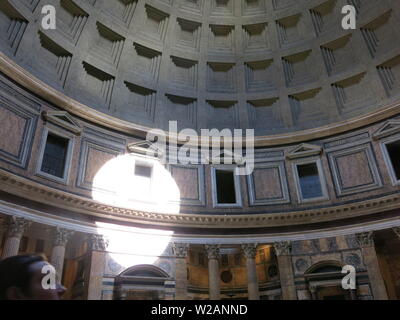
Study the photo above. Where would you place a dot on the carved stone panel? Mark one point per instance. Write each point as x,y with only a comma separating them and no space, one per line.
354,170
267,185
96,150
190,180
16,131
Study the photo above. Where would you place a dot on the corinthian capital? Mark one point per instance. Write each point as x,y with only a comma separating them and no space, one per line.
283,248
180,249
61,237
365,239
249,250
212,251
97,242
16,226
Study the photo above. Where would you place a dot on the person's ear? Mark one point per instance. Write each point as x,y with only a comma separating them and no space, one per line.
14,293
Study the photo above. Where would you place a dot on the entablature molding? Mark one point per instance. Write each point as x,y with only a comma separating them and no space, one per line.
31,190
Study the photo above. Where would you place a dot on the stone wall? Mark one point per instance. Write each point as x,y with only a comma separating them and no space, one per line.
353,165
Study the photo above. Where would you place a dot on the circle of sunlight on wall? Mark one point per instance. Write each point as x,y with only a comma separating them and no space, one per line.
131,246
136,182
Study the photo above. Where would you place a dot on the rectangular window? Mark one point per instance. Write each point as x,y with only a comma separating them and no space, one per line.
201,259
224,260
23,246
191,257
55,155
237,259
309,181
39,248
225,183
143,171
141,189
393,150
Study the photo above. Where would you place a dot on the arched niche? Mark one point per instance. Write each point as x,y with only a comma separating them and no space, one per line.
324,280
143,282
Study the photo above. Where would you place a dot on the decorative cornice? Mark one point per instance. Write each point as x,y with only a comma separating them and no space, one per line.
283,248
146,148
16,226
365,239
390,127
23,77
180,249
249,250
29,189
97,242
226,156
61,237
212,250
62,119
201,238
304,150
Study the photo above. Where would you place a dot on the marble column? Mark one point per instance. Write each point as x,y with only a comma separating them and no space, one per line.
16,227
97,246
282,251
366,243
61,237
181,251
250,250
213,271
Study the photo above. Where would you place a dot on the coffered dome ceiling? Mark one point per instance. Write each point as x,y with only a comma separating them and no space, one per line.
278,66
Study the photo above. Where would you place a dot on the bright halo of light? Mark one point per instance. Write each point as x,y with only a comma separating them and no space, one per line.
117,184
130,246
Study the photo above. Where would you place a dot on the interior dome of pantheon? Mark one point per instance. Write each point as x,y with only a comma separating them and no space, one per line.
84,84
